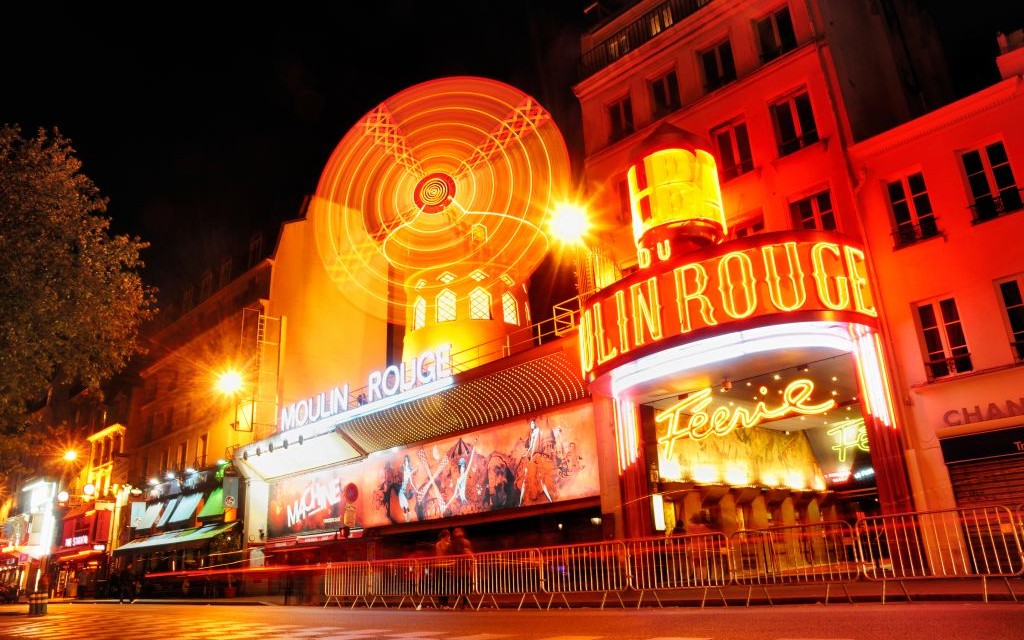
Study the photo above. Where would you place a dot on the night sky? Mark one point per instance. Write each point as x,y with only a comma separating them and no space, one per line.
203,122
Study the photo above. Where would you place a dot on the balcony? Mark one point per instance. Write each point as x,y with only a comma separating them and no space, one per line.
910,233
945,367
640,31
989,207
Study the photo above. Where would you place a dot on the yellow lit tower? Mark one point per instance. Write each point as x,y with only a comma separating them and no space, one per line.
432,209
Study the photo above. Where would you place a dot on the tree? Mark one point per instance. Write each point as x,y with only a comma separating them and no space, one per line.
71,299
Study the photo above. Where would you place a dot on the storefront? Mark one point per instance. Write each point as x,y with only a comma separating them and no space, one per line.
987,468
745,379
79,557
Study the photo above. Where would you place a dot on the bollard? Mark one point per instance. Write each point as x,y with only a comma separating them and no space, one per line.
33,604
44,601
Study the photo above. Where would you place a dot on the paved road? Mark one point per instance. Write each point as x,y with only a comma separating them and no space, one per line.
920,621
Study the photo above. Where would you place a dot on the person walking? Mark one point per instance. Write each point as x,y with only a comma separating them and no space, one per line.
125,586
442,574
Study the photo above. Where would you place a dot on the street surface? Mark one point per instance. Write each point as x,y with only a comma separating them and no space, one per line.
919,621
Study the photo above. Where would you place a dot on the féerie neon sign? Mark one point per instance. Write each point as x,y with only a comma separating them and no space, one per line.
689,418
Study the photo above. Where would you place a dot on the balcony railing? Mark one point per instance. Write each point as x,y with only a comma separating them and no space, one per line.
944,367
1018,351
787,147
991,206
636,33
909,233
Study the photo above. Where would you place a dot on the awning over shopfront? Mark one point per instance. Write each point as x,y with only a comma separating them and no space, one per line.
214,505
186,507
178,539
149,518
166,517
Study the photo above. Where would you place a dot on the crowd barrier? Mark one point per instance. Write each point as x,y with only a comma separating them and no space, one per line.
980,543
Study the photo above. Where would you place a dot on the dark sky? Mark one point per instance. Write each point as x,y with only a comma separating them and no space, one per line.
203,121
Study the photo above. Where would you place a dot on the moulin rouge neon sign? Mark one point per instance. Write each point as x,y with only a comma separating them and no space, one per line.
690,418
808,272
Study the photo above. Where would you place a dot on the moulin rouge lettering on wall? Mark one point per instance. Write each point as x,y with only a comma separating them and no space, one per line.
689,418
390,382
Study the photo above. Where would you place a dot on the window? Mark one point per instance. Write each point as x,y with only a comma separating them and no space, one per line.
911,209
665,94
479,304
625,209
206,286
509,309
775,34
814,212
446,305
719,68
748,227
201,449
419,313
618,46
793,121
660,19
182,453
186,298
255,250
620,116
225,272
733,146
1013,305
163,461
943,338
169,420
991,181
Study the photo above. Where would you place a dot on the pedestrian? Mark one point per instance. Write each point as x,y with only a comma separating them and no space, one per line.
125,586
461,546
442,576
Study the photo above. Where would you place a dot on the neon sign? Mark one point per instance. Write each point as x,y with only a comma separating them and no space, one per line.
849,434
388,383
689,418
816,273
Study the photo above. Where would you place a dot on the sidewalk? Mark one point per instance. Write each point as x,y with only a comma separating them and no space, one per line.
966,590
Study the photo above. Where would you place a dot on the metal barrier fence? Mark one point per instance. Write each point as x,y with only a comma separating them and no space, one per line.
347,580
601,567
820,553
679,562
982,542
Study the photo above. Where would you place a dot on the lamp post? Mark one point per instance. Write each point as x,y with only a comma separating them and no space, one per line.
230,384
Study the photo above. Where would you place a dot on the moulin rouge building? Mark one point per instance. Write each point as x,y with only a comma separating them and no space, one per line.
730,351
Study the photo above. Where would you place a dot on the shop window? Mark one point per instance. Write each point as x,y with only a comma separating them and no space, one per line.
793,121
509,309
911,209
814,212
419,313
775,35
942,336
748,227
1013,307
620,118
665,94
446,306
994,190
718,65
733,145
479,304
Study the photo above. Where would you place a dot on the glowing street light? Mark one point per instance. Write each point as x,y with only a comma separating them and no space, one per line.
569,223
70,455
230,384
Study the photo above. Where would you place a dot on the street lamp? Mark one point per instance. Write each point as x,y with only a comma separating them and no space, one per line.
230,384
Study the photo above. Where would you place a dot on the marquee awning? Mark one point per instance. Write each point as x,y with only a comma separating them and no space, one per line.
214,505
149,518
186,507
178,539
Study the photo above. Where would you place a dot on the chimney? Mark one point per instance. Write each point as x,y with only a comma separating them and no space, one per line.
1011,54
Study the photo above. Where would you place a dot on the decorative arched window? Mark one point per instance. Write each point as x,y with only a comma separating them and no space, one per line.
446,306
479,304
509,309
419,313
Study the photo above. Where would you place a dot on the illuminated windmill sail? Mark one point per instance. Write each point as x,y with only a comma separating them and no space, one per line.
432,210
